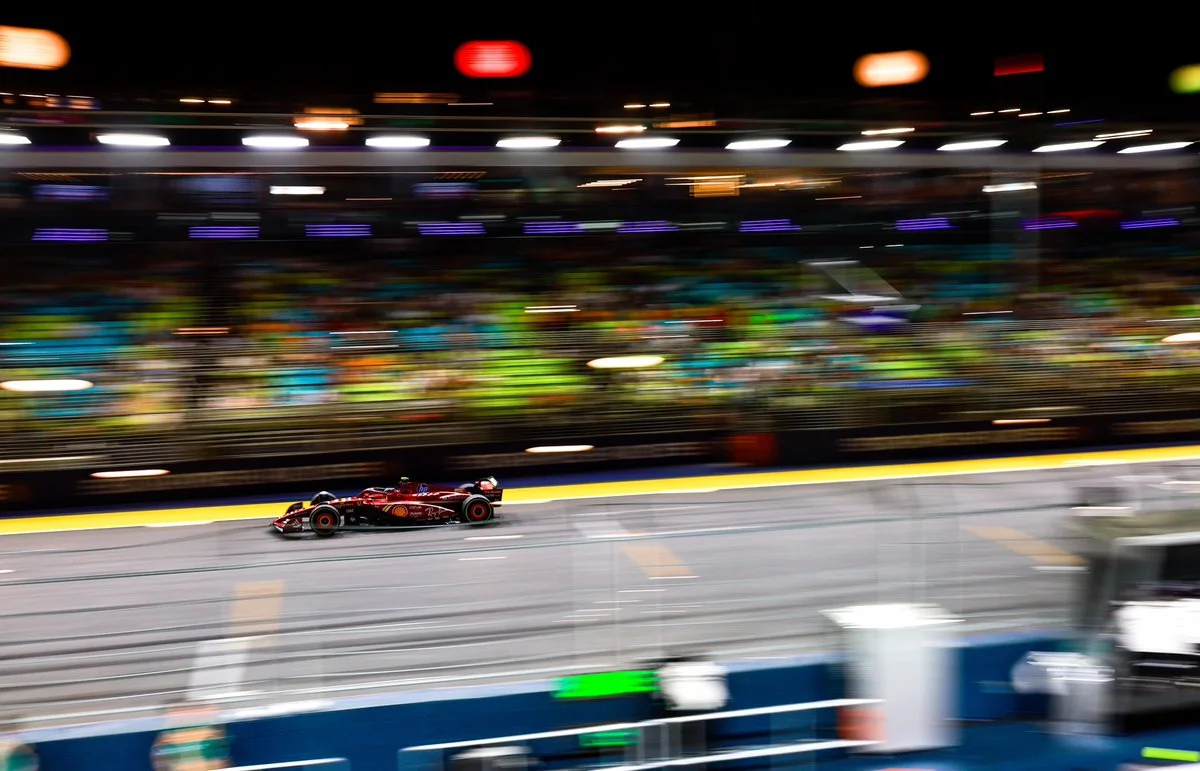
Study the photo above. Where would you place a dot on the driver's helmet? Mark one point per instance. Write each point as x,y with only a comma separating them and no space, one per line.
487,483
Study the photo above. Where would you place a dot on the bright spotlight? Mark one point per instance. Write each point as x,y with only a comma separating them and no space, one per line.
46,386
758,144
275,142
397,142
132,140
626,362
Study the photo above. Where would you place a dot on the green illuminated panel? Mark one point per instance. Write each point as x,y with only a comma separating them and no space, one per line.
605,739
607,684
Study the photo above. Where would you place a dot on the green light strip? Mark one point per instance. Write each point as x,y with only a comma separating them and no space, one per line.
1183,756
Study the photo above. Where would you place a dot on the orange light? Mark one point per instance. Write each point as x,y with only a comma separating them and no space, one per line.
686,124
33,49
897,68
493,59
327,119
322,124
414,98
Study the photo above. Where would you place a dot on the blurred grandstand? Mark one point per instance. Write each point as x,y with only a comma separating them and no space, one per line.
302,310
243,350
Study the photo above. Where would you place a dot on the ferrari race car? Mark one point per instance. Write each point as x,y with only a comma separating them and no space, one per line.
408,505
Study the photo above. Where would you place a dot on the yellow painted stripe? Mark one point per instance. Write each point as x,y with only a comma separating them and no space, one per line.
699,484
656,560
1028,546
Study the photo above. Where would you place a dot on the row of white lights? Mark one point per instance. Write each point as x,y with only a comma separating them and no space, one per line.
541,143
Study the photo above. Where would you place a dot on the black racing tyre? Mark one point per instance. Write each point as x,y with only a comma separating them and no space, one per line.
324,521
323,497
477,510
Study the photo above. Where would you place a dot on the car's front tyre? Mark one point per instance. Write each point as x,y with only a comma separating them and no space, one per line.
324,521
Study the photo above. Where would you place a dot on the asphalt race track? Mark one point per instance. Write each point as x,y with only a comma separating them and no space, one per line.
113,622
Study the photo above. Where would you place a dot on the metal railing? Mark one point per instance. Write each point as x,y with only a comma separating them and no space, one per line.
668,752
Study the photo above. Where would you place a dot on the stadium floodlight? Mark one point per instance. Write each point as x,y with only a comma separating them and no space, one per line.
1067,146
130,474
1010,187
297,190
553,448
133,140
1137,133
10,138
878,132
275,142
398,141
758,144
978,144
529,143
877,144
1155,148
647,143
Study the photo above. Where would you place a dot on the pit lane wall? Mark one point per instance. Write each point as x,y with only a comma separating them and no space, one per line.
369,731
76,488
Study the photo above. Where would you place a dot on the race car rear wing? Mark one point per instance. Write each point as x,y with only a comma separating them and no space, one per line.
488,487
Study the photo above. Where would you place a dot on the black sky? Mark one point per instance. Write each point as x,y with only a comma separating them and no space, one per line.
801,54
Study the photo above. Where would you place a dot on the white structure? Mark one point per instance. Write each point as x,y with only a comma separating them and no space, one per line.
902,655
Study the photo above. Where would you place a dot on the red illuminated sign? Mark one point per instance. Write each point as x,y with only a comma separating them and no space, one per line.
493,59
1024,64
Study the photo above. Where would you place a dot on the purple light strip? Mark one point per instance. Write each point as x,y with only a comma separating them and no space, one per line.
223,231
930,223
70,234
767,226
1143,224
551,228
1049,223
338,231
1080,122
70,192
656,226
451,229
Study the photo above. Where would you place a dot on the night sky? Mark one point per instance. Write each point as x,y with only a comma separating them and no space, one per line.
601,50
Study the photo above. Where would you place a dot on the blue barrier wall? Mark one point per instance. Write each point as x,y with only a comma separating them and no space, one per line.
370,730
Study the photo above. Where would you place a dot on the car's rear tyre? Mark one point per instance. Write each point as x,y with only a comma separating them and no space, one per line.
477,510
324,521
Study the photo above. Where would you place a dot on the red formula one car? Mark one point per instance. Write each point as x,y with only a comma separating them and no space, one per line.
408,505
